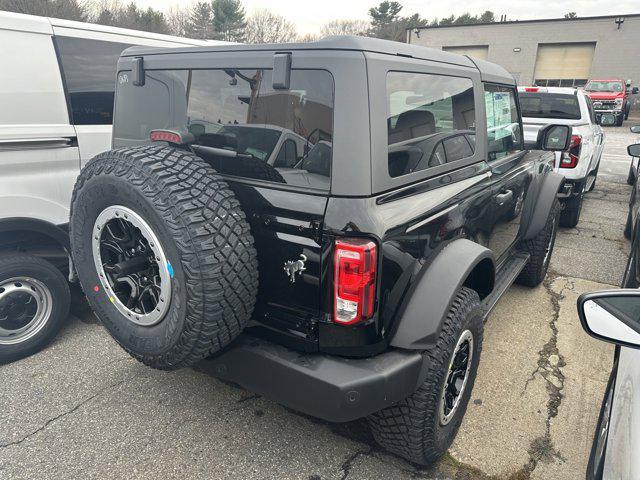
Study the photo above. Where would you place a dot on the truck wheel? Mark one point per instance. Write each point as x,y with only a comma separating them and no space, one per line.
422,427
164,253
631,177
570,215
620,120
34,304
540,248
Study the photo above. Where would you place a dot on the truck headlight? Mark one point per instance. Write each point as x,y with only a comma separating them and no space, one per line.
619,102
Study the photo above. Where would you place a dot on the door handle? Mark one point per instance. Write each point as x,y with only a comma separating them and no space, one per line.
503,198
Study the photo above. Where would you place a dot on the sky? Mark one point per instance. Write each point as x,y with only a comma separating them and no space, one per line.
310,15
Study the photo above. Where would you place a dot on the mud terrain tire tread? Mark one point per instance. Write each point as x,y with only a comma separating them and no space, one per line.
209,230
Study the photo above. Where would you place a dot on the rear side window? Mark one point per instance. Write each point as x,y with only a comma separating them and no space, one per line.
89,69
430,121
550,105
241,125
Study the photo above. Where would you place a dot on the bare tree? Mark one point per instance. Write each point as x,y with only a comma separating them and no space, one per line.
67,9
308,38
178,19
345,27
266,27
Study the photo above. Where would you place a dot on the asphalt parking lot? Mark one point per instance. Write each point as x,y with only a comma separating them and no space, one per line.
84,409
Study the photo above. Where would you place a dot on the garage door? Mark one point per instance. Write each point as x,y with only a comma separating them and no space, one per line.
476,51
564,64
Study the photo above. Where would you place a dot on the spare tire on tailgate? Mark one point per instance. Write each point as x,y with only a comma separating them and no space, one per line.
164,254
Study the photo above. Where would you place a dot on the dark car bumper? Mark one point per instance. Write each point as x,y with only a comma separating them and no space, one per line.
333,388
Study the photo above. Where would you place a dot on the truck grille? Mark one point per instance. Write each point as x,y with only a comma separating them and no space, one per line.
604,105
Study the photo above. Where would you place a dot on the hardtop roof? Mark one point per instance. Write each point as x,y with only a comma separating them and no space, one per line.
347,43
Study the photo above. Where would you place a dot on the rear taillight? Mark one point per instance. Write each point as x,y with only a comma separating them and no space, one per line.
170,136
354,280
570,158
531,89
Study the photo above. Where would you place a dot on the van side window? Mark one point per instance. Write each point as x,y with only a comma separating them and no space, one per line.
89,71
429,119
504,131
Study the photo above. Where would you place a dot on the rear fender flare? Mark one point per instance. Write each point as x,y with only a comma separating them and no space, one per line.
546,196
460,263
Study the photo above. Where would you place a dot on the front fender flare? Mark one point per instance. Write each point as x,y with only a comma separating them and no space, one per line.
546,196
429,301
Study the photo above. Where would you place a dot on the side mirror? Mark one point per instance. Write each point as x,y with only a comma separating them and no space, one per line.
635,129
634,90
612,316
554,138
634,150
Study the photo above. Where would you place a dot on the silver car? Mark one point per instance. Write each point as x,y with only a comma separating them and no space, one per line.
614,316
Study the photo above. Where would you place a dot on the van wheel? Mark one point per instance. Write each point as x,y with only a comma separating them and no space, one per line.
570,215
423,426
540,248
34,304
164,253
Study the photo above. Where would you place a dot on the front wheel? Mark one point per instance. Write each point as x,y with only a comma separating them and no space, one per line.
34,304
540,248
423,426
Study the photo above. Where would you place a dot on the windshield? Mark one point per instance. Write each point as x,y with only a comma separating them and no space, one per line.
604,86
550,105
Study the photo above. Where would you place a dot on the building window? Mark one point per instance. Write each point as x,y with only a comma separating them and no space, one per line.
561,82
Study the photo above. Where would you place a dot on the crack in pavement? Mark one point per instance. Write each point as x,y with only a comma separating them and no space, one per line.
67,412
347,465
549,367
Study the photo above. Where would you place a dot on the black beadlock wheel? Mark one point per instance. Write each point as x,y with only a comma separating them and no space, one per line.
34,304
423,426
540,248
164,254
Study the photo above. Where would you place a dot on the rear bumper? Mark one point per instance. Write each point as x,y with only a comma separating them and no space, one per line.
333,388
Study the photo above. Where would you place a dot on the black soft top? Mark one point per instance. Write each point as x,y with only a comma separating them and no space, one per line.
488,71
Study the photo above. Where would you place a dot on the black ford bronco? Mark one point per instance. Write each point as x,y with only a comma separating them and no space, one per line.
326,224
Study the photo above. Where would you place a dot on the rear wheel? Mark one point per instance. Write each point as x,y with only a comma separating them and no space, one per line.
422,427
34,304
540,248
570,215
164,253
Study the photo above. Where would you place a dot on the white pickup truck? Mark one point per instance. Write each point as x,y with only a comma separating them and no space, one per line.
567,106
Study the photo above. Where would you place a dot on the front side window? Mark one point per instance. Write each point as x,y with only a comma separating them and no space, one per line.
430,121
504,132
241,125
89,69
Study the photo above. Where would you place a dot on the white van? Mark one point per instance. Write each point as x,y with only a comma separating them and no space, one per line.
57,84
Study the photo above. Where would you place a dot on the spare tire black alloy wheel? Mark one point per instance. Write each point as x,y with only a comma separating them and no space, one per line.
25,307
132,266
